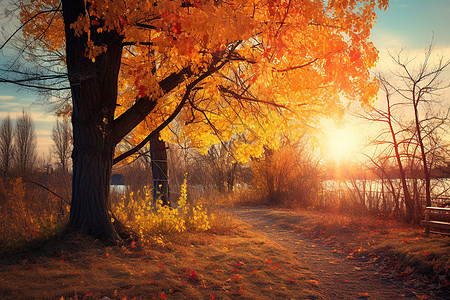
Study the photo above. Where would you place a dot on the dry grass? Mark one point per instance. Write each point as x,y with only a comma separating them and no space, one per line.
186,266
29,215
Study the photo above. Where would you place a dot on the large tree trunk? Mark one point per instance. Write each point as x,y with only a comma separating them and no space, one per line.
94,95
158,156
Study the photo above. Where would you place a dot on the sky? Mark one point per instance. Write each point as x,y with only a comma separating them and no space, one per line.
412,24
406,23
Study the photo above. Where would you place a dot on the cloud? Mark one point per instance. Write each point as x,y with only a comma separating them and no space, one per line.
414,58
10,107
5,97
10,103
35,116
388,40
13,115
42,133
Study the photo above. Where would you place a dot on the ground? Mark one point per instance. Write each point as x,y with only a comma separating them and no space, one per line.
265,254
338,275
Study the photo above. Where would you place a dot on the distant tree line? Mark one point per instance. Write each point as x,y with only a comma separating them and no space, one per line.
18,145
18,141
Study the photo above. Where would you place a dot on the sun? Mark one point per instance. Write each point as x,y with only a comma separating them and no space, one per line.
342,144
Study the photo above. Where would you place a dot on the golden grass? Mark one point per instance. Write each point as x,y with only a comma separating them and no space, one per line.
28,215
187,266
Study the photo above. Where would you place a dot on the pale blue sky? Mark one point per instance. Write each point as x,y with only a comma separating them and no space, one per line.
412,23
406,23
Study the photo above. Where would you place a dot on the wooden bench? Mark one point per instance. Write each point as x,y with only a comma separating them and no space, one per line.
437,219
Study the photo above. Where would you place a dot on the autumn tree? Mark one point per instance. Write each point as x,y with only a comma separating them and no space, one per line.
218,67
6,145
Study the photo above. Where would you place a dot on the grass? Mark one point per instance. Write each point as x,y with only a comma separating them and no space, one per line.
29,216
200,265
396,249
179,260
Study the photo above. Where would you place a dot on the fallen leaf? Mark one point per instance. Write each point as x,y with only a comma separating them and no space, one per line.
363,295
314,282
193,275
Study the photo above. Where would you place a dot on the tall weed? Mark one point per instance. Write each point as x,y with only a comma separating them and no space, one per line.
24,218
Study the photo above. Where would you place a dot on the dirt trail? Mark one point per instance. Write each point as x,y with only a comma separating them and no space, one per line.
337,277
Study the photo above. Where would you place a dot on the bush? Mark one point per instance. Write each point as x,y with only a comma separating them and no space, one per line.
136,211
287,177
25,216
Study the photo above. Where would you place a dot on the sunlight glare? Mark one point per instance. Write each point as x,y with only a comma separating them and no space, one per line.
342,144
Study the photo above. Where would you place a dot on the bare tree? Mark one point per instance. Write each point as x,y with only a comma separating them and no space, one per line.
62,143
6,144
222,166
25,145
393,142
413,122
419,87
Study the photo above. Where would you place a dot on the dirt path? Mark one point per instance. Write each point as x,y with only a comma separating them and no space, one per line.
337,276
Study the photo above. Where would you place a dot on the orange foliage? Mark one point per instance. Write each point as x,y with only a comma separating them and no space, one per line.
267,65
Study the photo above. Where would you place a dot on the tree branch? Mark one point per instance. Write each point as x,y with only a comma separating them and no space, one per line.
143,106
26,22
241,97
156,131
299,66
189,88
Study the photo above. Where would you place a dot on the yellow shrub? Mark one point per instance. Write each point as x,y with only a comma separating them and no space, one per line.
137,212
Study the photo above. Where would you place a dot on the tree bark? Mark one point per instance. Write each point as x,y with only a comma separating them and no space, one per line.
406,194
94,95
93,85
426,172
158,155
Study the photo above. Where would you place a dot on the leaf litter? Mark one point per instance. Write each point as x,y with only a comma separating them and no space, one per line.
187,266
